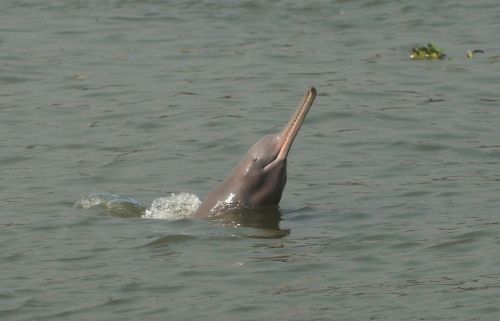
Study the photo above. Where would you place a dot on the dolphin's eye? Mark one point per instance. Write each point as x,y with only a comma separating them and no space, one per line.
255,159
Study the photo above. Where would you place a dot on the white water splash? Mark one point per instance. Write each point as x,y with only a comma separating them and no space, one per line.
173,207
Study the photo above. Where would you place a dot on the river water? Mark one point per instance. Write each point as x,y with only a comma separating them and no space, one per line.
391,210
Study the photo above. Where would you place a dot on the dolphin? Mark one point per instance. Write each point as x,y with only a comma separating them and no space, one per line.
258,180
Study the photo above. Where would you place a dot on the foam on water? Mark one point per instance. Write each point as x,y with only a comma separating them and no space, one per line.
173,207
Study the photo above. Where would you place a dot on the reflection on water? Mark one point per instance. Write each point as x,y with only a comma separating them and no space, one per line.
266,220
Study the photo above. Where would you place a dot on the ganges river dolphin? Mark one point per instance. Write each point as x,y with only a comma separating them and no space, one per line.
258,180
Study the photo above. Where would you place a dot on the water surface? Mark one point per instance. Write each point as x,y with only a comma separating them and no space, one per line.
391,206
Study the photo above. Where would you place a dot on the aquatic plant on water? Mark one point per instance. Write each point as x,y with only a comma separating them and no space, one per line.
427,52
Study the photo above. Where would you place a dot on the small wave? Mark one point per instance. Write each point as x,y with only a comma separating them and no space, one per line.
117,205
173,207
95,199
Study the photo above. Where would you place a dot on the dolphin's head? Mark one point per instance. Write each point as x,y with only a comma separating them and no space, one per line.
263,168
260,177
264,173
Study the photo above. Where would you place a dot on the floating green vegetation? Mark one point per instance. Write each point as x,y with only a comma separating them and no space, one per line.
427,52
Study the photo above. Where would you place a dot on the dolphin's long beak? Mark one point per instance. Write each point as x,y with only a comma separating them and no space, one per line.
292,128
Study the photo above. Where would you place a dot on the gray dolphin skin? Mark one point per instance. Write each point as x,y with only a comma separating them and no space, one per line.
260,177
